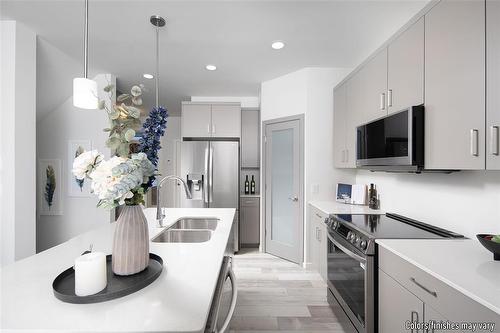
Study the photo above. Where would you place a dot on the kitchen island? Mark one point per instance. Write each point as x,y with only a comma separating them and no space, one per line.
178,301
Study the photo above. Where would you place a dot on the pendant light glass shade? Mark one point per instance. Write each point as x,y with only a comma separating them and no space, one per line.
84,89
85,93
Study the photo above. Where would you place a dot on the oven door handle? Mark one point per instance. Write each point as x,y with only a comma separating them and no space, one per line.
346,251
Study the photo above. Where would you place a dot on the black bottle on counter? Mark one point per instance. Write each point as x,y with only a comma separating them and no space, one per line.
247,185
372,197
252,186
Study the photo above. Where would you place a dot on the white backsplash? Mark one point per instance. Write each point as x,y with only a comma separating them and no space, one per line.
466,202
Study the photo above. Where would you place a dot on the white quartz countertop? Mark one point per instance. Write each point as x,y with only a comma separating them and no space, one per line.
335,207
178,301
464,265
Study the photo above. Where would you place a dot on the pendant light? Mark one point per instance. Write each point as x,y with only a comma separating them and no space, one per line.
158,22
84,89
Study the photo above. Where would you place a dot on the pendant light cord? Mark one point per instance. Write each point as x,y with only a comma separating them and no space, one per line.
157,74
86,41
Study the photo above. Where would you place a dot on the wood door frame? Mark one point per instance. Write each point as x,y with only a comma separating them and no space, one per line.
300,118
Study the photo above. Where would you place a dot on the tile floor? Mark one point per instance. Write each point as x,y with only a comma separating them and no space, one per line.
275,295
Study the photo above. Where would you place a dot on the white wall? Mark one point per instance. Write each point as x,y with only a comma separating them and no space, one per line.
466,202
65,123
309,92
168,156
18,135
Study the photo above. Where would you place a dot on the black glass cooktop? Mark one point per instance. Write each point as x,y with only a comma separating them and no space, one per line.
394,226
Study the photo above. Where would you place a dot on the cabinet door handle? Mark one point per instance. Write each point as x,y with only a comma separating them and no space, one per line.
319,235
213,128
389,98
321,217
433,293
208,128
382,101
474,142
411,318
494,140
347,155
343,156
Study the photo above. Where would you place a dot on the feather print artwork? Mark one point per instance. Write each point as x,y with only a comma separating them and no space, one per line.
79,182
50,185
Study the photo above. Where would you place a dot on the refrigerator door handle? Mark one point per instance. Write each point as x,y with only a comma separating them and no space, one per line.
206,177
211,177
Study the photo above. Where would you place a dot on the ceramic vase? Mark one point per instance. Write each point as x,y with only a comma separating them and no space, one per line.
131,242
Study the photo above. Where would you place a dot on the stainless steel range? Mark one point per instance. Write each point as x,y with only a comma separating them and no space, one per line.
352,268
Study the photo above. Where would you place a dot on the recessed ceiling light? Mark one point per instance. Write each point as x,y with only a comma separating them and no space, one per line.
211,67
148,76
278,45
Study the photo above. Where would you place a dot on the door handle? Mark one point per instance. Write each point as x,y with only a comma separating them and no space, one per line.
433,293
474,142
494,140
382,101
211,179
411,317
234,297
293,199
389,98
206,177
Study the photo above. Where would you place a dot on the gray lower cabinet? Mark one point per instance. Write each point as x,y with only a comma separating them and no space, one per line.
397,306
318,241
408,293
249,221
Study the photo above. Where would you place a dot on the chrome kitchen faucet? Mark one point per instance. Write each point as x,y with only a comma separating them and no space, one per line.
159,215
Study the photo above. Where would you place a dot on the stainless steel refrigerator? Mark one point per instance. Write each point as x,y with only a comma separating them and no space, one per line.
211,170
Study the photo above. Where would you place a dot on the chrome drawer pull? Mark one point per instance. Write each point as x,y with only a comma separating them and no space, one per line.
433,293
321,217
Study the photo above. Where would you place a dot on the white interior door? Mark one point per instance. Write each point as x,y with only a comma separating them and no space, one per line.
283,193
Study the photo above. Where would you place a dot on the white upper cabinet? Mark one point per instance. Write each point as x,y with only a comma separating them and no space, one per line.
200,120
406,69
226,120
196,120
455,85
367,91
493,84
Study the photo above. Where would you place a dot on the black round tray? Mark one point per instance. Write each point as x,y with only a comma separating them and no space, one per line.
118,286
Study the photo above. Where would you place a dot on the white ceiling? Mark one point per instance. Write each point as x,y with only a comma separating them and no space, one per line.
234,35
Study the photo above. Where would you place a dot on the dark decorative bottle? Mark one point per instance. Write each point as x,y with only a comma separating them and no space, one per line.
252,186
247,185
372,197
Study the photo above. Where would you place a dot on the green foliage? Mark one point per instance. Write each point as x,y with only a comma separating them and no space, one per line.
123,118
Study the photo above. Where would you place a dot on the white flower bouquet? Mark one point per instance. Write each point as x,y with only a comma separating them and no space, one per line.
124,178
116,181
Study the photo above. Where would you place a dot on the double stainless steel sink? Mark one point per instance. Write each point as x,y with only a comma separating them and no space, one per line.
188,230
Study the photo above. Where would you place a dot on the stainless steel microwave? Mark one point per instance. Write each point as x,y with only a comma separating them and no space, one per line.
392,143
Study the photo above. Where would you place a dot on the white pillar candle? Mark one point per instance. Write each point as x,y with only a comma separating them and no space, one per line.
90,273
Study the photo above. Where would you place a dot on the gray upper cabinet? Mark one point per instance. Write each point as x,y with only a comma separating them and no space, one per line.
201,120
196,120
226,120
339,125
493,84
367,90
455,85
406,69
250,138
